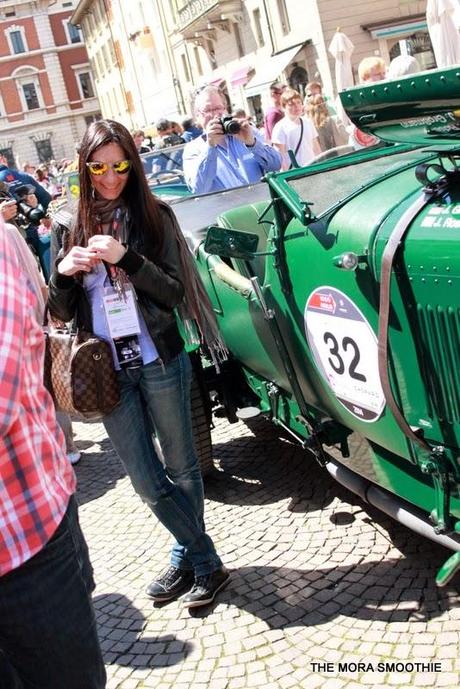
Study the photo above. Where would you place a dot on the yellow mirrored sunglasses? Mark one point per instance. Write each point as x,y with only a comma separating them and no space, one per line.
121,167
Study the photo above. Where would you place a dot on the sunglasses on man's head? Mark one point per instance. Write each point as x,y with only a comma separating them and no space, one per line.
121,167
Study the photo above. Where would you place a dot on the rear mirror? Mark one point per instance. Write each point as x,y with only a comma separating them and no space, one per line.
229,243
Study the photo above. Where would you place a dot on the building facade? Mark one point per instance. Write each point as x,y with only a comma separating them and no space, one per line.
163,50
244,46
47,94
131,59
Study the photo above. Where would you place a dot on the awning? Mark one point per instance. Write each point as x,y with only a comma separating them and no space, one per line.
396,26
270,70
240,76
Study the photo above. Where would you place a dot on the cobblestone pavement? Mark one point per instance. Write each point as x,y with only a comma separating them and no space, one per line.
318,580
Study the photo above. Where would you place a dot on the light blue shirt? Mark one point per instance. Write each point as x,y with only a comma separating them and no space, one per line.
213,168
94,284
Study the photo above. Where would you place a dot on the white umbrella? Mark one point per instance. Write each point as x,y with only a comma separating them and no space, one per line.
442,18
341,48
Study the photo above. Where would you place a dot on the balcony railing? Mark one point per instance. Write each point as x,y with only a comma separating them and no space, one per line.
207,10
192,10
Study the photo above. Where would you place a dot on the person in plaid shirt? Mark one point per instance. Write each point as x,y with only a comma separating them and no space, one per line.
48,634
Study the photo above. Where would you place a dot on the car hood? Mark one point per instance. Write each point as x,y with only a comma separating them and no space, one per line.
420,109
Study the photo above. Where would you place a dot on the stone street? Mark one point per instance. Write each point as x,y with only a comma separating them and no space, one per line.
320,581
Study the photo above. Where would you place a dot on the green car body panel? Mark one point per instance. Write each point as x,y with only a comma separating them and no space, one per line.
303,326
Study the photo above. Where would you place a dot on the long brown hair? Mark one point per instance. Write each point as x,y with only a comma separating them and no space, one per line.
144,215
316,109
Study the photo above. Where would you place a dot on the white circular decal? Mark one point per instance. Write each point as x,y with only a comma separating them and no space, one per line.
344,347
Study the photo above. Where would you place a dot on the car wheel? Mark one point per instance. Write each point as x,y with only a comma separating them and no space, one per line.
201,429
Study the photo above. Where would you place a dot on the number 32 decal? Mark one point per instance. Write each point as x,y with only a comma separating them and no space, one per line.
338,365
344,348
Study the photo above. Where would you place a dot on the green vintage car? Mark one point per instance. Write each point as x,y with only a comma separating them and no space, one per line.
337,291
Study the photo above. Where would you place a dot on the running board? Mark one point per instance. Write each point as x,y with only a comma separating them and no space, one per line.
401,511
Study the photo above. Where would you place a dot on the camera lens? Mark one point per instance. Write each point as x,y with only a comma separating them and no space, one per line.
230,126
233,127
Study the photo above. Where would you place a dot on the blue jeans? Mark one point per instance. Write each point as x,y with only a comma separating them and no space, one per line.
155,400
48,637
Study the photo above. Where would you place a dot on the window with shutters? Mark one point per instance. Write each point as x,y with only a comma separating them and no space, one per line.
17,40
73,33
120,60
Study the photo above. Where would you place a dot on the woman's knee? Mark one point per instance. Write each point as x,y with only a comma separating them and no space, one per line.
151,493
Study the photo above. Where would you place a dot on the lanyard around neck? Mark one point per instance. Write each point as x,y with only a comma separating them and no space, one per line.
114,231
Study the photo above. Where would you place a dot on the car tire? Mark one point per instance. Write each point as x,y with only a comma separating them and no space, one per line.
200,428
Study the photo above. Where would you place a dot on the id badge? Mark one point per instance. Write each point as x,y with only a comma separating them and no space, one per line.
121,313
123,322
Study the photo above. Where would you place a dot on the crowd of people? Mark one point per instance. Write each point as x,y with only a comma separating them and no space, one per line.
168,133
24,201
293,132
226,150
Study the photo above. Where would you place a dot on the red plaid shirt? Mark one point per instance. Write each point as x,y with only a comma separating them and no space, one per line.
36,479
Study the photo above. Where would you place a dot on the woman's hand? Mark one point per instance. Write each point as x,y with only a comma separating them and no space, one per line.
78,259
106,248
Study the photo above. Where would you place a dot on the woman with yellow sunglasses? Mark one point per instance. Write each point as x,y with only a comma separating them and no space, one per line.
124,270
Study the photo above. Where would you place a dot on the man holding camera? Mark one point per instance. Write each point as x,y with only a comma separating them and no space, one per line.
227,154
14,178
32,221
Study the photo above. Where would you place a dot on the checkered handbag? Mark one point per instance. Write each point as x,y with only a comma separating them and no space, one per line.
79,373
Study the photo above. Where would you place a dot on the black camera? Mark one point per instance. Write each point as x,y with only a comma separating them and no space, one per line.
30,215
229,125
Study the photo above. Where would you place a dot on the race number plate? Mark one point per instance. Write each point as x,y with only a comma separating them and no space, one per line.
344,347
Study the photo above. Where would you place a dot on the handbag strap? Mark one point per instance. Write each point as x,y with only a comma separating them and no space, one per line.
292,154
300,137
56,323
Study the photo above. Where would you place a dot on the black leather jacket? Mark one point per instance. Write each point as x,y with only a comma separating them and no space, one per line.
158,287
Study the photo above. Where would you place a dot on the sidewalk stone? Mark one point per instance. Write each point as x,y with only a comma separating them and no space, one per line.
448,679
425,680
306,588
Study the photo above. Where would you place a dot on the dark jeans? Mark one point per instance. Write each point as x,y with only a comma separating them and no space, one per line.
156,400
48,637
